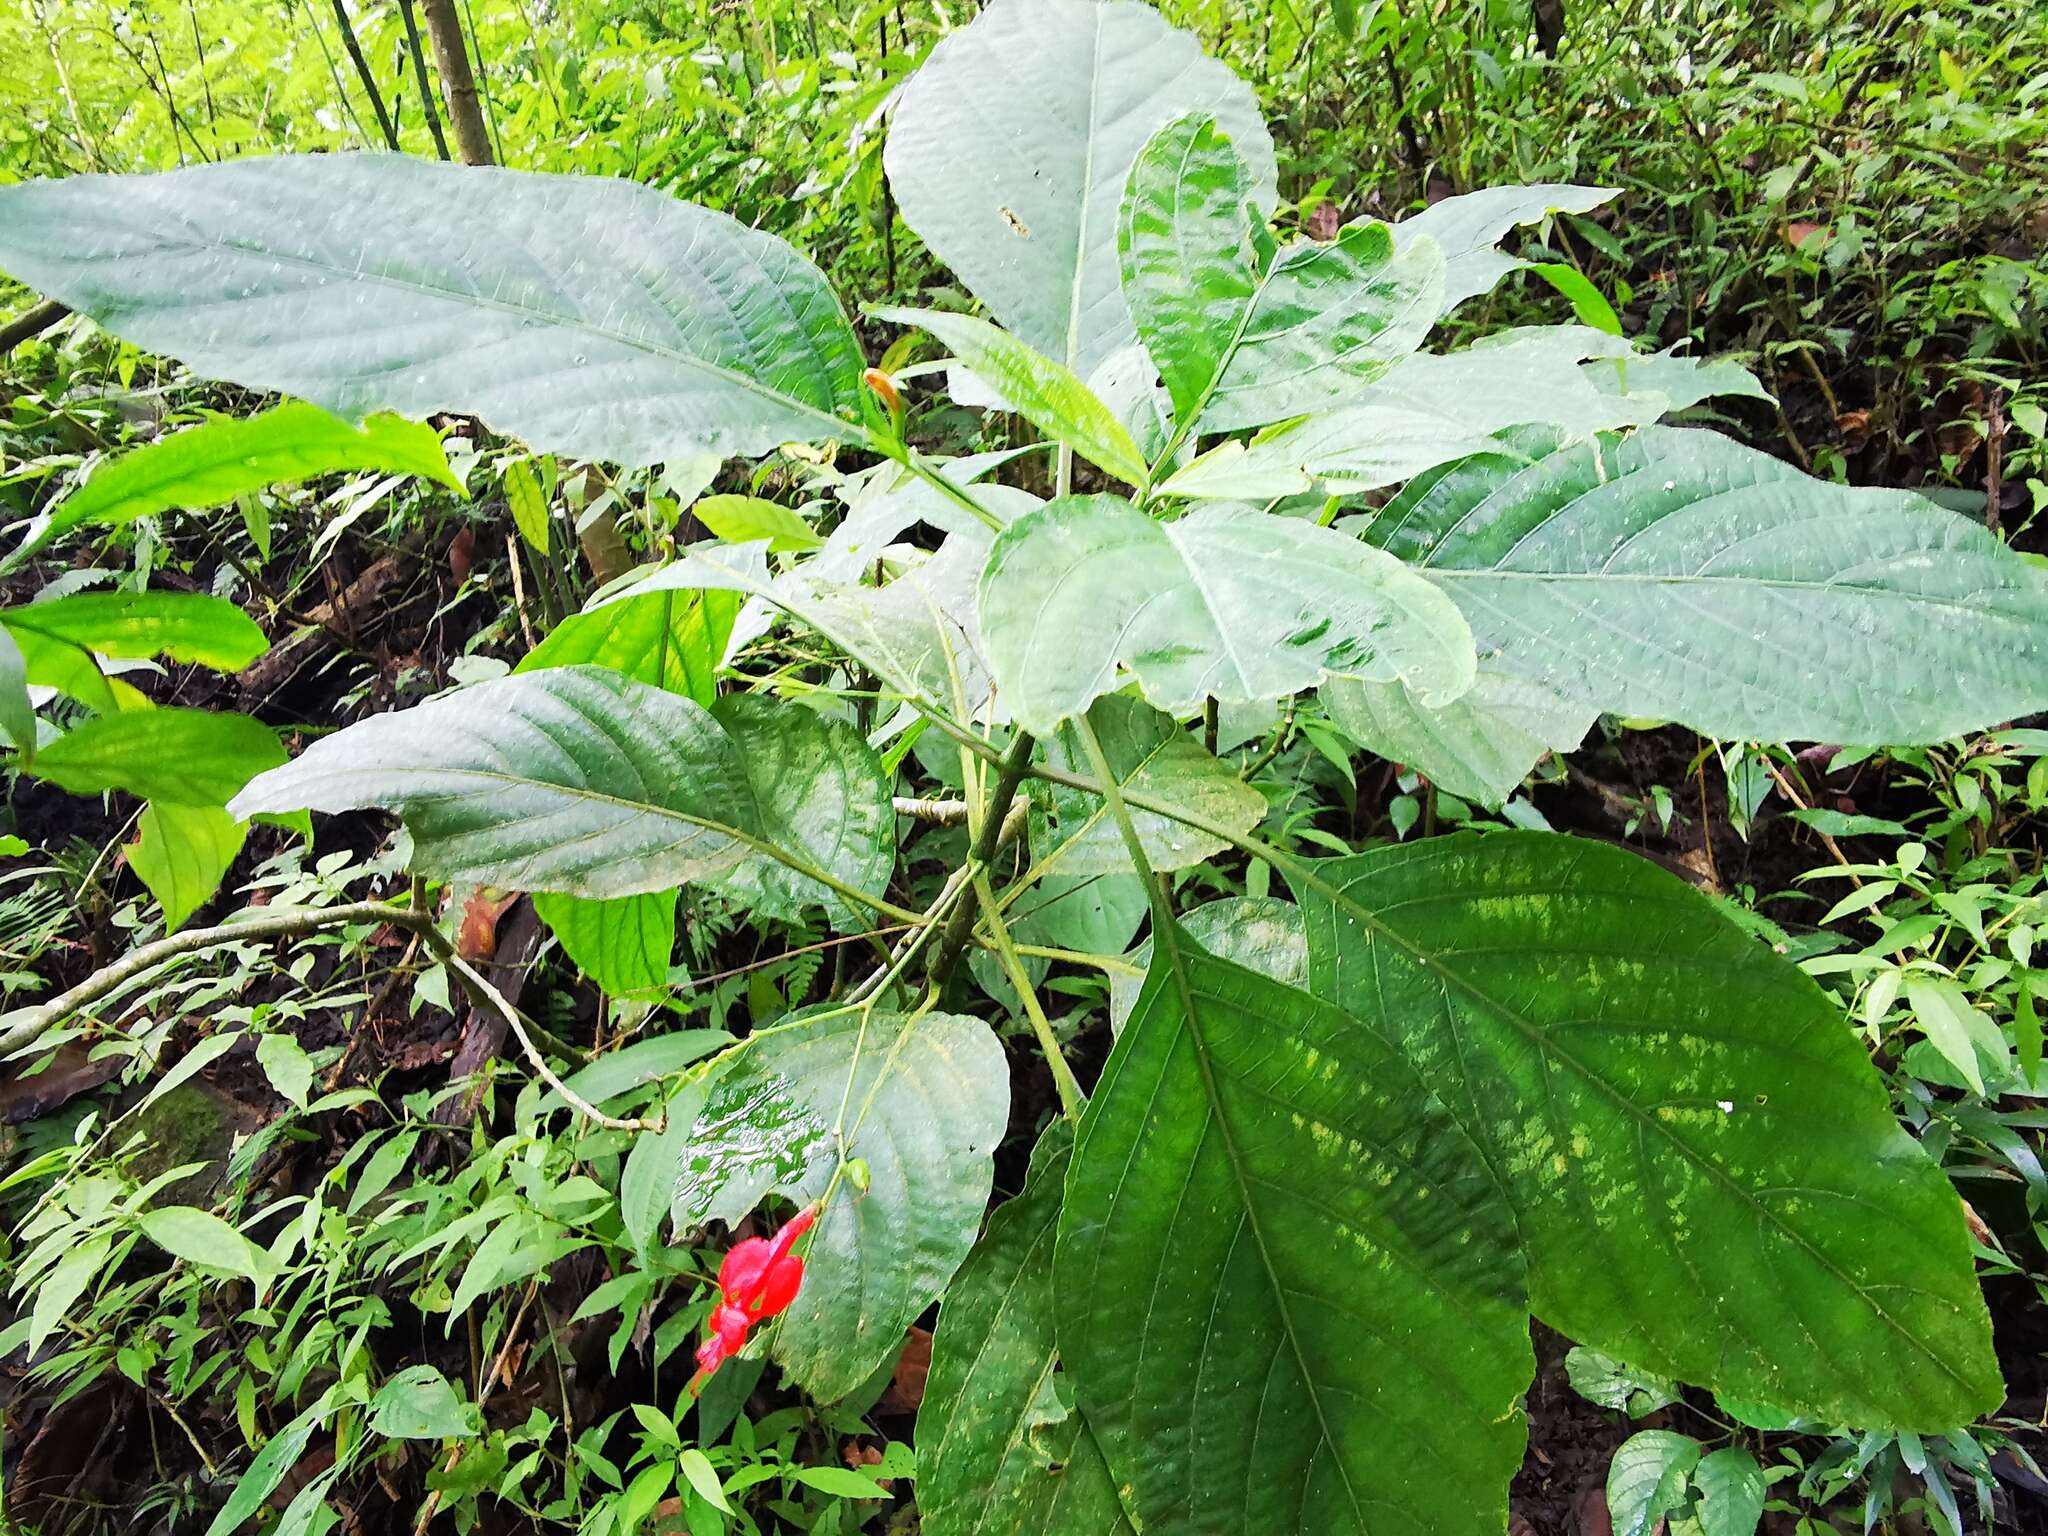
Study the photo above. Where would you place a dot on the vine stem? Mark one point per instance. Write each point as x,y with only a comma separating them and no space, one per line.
1071,1099
989,837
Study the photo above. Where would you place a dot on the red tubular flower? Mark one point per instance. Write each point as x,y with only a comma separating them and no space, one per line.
758,1280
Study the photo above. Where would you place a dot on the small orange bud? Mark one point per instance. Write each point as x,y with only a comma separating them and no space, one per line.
885,390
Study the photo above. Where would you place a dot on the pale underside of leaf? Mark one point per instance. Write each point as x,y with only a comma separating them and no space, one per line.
1226,603
1480,746
597,317
1468,230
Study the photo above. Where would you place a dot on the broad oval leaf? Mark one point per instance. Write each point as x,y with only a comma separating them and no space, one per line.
1708,1178
1290,1296
1261,933
1239,346
1009,150
598,318
1225,603
922,1100
667,638
573,779
185,626
1681,576
222,458
1003,1451
182,855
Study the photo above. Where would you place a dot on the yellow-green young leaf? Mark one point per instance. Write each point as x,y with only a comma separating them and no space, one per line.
1241,347
184,626
186,756
1037,388
666,638
747,519
183,854
702,1476
623,943
528,503
1678,575
1228,603
1955,1028
202,1238
1002,1450
1588,302
1661,1097
71,671
563,327
1273,1237
221,458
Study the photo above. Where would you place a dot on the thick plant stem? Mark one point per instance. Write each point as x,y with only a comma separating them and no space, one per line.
458,85
988,839
1071,1099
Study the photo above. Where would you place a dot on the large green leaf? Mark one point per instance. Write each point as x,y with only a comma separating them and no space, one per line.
588,316
623,943
1468,230
1238,347
1226,603
1009,150
17,714
1708,1178
1002,1451
1290,1295
1480,746
1429,409
1260,933
1037,388
922,1100
572,779
185,626
819,790
1153,757
1679,575
220,459
187,756
182,855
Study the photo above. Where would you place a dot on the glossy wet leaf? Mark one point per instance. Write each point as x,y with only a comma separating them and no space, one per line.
922,1101
1225,603
1678,575
1648,1479
572,779
1042,391
1605,1380
1468,230
1009,149
1289,1294
745,519
182,855
211,464
417,1403
1153,758
1240,345
1480,746
189,756
1732,1492
180,626
819,790
1002,1450
1663,1098
600,318
623,943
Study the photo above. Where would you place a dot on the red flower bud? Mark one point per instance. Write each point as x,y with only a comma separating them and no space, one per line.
758,1280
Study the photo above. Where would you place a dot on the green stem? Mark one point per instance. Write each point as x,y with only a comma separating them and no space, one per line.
988,838
1071,1099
